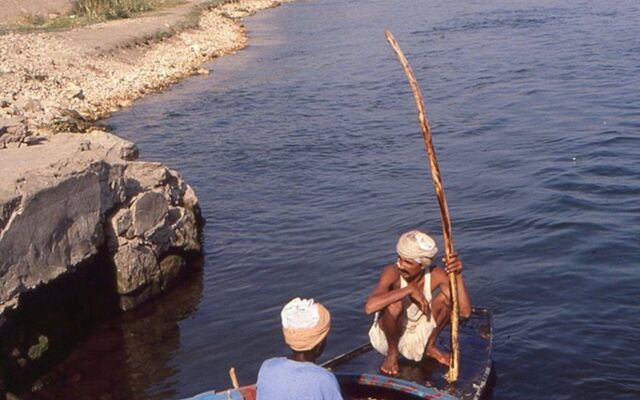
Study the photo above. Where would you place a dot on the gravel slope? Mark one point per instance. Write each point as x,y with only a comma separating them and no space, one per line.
56,81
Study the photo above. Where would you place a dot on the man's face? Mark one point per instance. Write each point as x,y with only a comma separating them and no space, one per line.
409,269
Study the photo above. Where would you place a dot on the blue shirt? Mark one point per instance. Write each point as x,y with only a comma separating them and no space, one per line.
283,379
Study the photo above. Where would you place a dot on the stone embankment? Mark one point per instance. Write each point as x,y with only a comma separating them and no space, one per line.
79,195
73,195
85,229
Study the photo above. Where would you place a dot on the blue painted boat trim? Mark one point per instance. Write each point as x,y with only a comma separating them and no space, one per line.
231,394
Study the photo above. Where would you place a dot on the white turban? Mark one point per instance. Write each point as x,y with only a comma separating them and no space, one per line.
417,246
305,323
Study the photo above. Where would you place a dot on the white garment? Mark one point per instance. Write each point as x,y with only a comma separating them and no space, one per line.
416,327
300,314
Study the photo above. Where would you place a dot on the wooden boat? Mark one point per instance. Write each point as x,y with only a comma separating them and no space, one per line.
359,376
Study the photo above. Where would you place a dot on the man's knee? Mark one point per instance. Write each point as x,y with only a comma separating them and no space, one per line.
393,310
441,304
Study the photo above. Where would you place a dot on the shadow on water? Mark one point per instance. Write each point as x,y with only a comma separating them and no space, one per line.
127,355
52,319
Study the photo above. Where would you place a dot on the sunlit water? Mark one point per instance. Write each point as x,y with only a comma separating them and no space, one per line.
305,152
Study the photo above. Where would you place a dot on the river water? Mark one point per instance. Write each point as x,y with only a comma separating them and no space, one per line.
306,154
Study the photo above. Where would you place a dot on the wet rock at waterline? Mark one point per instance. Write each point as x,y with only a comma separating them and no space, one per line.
71,197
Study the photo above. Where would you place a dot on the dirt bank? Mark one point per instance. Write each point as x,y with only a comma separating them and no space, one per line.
10,10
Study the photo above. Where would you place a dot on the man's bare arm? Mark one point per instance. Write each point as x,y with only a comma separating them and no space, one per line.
384,294
464,300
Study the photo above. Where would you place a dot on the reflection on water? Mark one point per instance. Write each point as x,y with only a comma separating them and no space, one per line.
127,356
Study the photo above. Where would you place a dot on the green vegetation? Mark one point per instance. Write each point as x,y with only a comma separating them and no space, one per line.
34,19
87,12
116,9
38,22
37,350
193,18
190,21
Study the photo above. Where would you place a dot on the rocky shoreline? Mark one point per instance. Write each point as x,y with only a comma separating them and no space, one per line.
74,197
51,82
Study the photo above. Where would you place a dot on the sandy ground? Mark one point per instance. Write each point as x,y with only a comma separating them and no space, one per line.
56,81
13,9
103,37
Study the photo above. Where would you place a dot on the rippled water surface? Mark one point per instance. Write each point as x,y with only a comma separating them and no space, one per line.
306,155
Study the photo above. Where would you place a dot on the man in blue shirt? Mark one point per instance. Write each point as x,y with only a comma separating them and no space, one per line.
305,325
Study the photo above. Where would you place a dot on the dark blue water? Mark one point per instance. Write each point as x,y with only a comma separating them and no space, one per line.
306,154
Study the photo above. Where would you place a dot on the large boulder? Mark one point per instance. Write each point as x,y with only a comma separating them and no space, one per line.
148,210
159,220
73,196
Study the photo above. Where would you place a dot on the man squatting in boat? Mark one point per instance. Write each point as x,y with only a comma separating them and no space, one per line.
305,325
409,314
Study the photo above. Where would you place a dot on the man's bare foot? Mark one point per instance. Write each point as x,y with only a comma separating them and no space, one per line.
390,364
439,356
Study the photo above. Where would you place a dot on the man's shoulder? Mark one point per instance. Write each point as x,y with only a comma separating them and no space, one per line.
390,277
273,362
319,369
390,272
281,378
316,371
305,367
438,273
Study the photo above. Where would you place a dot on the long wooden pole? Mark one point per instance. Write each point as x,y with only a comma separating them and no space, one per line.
452,375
